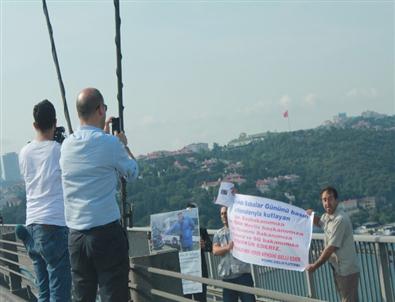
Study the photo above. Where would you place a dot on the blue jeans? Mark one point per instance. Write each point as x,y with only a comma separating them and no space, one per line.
47,247
229,295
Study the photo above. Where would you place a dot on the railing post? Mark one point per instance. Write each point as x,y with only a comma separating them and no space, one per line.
384,272
143,282
310,285
15,280
314,251
209,258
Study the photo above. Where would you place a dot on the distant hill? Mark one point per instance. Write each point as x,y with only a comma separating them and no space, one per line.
356,155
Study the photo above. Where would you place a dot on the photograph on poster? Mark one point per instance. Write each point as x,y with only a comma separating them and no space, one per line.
175,230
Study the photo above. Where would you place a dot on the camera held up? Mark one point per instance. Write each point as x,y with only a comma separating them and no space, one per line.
59,135
115,123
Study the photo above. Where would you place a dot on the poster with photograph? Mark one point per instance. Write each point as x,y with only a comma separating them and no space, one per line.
226,194
180,230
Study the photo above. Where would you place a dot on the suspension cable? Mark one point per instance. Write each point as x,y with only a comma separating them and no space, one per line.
55,58
125,215
119,63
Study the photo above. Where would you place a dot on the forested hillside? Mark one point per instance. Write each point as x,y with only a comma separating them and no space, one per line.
358,162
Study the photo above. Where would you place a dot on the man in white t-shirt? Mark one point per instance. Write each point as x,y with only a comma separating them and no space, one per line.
45,236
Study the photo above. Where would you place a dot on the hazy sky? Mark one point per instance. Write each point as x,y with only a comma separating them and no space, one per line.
199,71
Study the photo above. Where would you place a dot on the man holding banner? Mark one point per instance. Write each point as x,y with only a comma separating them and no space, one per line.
231,269
339,246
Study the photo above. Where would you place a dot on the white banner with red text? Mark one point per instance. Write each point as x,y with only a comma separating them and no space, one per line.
270,233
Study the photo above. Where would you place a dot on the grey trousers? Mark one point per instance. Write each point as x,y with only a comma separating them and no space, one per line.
347,286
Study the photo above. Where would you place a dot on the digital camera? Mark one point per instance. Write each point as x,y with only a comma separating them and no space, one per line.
116,125
59,135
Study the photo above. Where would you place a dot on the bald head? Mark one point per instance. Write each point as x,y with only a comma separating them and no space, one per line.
88,102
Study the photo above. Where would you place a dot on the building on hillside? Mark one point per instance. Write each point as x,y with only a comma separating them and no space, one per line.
235,178
158,154
245,139
327,124
235,166
269,183
189,149
350,206
373,114
192,160
180,166
197,147
208,163
10,167
362,125
353,206
183,151
142,157
210,184
368,203
288,178
263,185
340,118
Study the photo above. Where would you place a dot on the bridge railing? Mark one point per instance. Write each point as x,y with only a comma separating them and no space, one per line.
267,295
376,255
377,277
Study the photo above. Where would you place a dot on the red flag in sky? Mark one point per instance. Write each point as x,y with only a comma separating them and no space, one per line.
285,114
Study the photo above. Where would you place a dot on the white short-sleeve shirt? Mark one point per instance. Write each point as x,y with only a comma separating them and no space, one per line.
39,165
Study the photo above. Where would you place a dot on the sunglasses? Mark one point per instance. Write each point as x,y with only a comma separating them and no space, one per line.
104,105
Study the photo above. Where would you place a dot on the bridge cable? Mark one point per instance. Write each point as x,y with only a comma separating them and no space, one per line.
55,58
125,215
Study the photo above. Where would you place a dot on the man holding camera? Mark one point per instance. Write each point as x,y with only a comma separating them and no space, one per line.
45,235
92,161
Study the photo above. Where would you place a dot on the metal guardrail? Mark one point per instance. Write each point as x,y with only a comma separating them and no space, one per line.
14,265
3,259
277,296
377,277
376,255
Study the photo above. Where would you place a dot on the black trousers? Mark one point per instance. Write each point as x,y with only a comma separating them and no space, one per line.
99,257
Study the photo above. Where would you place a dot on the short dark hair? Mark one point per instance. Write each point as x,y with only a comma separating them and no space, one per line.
44,115
88,101
329,189
191,205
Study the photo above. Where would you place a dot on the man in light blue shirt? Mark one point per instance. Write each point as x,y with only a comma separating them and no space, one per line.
92,161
